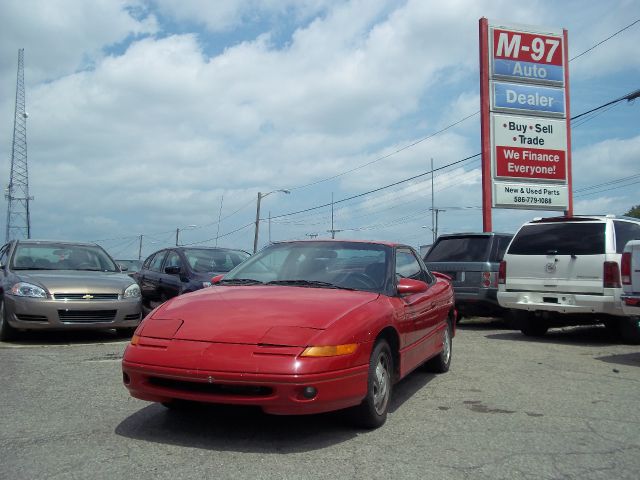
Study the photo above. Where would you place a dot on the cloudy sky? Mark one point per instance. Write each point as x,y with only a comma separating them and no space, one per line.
148,116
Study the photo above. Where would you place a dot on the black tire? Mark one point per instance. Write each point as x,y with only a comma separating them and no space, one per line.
125,332
629,328
372,412
441,362
530,325
177,405
7,332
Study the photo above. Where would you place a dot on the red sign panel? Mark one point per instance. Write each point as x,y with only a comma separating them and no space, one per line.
516,162
527,47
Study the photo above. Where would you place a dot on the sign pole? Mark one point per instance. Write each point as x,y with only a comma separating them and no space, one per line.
485,126
569,211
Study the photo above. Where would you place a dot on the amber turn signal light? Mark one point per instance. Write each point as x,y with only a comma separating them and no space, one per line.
330,350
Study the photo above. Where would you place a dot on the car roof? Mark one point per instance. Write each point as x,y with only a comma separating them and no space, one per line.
476,234
331,240
54,242
582,218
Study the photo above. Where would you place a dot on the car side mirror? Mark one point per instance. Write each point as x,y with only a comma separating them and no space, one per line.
173,270
409,285
216,279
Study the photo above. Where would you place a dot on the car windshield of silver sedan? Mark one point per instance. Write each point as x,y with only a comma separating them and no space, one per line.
344,265
62,257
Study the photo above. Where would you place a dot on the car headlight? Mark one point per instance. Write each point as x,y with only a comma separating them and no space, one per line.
132,291
24,289
206,284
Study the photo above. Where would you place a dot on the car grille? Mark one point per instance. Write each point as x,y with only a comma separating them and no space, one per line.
86,296
212,388
133,316
86,316
23,317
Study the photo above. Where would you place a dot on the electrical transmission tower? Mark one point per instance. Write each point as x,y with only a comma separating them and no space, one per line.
18,220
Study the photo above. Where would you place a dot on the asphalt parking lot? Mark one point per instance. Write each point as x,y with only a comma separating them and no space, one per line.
565,406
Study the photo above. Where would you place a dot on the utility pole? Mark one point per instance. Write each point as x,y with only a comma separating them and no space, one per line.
18,215
435,212
333,231
219,217
433,223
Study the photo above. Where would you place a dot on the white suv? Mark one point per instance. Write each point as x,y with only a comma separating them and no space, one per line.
562,271
630,270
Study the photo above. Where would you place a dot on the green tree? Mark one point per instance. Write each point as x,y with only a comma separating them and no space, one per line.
633,212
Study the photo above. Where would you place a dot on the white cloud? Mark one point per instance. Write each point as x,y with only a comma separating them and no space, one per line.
158,129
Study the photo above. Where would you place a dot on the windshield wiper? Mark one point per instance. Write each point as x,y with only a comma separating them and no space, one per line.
240,281
308,283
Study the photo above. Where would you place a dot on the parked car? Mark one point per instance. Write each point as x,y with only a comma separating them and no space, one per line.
130,267
64,285
171,272
562,271
630,272
299,328
472,261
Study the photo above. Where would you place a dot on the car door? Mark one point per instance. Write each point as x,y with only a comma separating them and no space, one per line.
170,284
149,277
4,265
420,309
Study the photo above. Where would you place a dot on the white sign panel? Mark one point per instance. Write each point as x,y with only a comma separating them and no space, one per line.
529,148
530,196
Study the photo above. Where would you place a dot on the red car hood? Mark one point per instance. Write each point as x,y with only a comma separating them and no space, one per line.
273,315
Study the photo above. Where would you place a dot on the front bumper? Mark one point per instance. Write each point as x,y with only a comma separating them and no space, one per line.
50,314
560,302
160,370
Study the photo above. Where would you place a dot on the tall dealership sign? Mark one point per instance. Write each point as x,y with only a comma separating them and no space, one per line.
524,96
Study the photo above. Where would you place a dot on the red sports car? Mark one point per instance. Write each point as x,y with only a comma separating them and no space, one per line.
301,327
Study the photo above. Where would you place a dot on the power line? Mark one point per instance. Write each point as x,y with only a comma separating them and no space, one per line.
374,190
608,38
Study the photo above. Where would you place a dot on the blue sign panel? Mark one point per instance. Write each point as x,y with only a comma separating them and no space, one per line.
528,98
538,72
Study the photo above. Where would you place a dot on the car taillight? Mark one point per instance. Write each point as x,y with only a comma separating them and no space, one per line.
488,279
611,275
502,272
625,268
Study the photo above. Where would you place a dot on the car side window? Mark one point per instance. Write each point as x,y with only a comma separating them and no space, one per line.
407,265
625,231
500,244
156,263
173,260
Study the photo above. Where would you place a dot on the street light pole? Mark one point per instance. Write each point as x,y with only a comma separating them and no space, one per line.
178,232
257,227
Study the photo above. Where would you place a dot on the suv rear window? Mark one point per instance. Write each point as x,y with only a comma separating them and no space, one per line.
559,239
459,249
625,231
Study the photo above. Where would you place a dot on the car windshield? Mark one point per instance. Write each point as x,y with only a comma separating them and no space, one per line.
131,265
208,260
459,249
348,265
52,256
